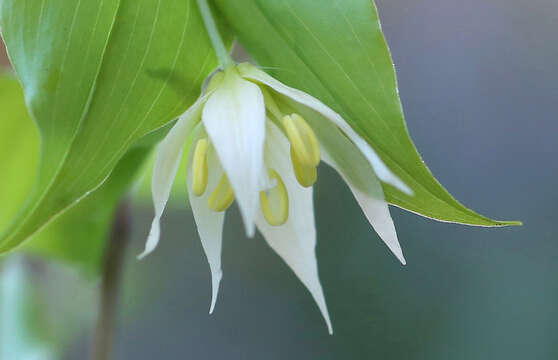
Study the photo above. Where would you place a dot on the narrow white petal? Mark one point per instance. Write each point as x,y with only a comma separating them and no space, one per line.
234,118
295,241
209,223
357,172
377,213
169,154
382,171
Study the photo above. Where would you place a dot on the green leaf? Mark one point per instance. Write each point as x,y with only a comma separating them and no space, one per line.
79,235
335,50
19,149
97,77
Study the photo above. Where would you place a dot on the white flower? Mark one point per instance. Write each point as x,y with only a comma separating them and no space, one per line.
258,141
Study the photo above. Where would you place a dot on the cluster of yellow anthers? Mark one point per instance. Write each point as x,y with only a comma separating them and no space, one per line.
305,157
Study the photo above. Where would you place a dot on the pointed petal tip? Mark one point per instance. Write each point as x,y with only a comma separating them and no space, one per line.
148,250
404,188
329,326
402,259
215,282
398,253
250,230
152,239
248,221
213,302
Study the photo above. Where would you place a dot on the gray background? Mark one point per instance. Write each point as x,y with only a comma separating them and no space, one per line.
478,82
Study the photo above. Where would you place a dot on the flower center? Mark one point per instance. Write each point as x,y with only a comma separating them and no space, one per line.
274,201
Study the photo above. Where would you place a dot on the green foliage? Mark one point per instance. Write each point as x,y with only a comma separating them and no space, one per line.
335,50
78,236
19,146
97,77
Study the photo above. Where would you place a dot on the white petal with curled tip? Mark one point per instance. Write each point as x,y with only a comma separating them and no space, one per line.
353,167
340,153
208,222
372,202
234,118
249,71
169,154
294,241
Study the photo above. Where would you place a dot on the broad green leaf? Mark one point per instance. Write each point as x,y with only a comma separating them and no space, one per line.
97,77
19,149
335,50
79,235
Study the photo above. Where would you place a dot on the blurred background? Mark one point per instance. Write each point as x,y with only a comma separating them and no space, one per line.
479,86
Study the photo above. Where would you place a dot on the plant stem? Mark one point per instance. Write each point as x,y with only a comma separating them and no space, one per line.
110,282
225,59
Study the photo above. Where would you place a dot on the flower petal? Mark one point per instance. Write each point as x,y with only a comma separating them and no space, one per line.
169,154
234,118
374,206
294,241
208,222
382,171
357,172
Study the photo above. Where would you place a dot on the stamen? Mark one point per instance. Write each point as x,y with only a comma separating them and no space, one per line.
306,175
222,197
270,104
199,167
275,202
303,139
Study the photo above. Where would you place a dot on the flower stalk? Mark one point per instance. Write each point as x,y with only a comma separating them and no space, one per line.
110,283
225,59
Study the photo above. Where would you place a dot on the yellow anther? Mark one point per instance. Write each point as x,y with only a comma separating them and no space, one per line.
303,140
222,197
306,175
199,167
215,81
275,202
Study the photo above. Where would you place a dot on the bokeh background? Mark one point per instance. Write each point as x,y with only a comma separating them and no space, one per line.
479,85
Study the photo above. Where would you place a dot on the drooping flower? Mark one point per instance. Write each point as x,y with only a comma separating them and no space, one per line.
257,141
